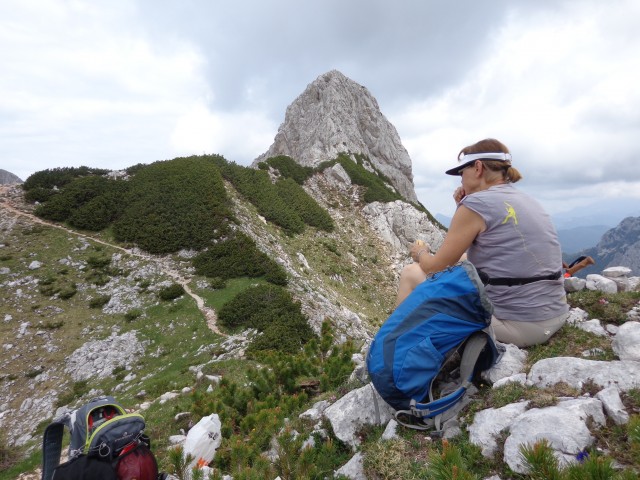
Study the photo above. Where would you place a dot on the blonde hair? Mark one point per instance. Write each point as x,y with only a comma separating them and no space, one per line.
490,145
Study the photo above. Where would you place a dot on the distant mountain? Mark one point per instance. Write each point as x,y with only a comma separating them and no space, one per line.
619,246
8,177
580,238
609,212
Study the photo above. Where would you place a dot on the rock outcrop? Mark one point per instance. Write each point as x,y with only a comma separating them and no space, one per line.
618,246
569,425
337,115
8,177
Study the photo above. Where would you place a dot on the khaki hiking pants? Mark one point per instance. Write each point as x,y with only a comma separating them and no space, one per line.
525,334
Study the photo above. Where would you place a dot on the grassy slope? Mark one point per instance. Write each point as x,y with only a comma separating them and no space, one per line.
340,266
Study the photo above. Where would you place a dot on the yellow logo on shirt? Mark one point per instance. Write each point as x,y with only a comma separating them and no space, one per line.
511,213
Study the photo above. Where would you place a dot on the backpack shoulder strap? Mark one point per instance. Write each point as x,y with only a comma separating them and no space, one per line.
437,411
51,448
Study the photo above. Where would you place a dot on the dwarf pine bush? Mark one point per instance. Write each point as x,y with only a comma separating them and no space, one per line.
238,256
287,167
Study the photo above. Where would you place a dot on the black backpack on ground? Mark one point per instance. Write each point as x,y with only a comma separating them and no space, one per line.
107,443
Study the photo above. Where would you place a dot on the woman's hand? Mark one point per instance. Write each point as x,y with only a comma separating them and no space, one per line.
459,194
418,248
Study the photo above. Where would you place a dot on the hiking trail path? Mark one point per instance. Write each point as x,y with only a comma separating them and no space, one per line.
9,205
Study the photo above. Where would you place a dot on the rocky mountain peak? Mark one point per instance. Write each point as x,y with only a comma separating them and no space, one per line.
336,115
8,177
618,246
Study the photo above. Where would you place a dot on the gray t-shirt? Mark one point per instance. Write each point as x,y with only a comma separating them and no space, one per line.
520,241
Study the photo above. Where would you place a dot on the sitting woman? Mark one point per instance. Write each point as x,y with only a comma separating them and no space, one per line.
509,238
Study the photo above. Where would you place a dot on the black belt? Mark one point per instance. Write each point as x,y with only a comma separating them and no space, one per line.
510,282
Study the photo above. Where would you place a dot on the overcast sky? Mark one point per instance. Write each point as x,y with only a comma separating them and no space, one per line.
112,84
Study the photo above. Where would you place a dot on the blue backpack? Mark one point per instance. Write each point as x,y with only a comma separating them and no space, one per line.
446,314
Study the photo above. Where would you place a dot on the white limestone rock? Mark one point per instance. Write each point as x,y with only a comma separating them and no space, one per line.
98,358
336,115
356,409
600,283
510,363
520,378
489,424
390,432
633,315
574,284
337,177
400,224
615,272
564,426
593,326
577,315
613,406
577,371
626,343
354,468
315,412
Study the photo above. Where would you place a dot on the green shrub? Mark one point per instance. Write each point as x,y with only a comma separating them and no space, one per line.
53,324
78,389
99,301
289,168
238,257
78,200
59,177
217,283
311,213
100,211
171,292
49,290
95,261
253,411
68,291
9,455
132,314
174,204
271,310
39,194
256,186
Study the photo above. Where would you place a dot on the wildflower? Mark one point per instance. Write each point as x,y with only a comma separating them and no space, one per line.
582,456
202,462
603,301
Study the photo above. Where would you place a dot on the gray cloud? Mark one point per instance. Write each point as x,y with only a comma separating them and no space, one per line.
127,82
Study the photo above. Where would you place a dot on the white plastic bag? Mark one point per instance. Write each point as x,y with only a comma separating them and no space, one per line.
203,440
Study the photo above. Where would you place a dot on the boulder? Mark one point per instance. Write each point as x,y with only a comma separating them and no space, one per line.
576,372
358,408
602,284
626,343
563,426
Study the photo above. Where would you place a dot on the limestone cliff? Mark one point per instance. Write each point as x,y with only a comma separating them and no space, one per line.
335,114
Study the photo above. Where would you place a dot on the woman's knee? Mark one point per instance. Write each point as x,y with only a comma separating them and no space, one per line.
410,277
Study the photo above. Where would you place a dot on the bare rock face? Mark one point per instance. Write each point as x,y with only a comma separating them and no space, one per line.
401,224
336,115
8,177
